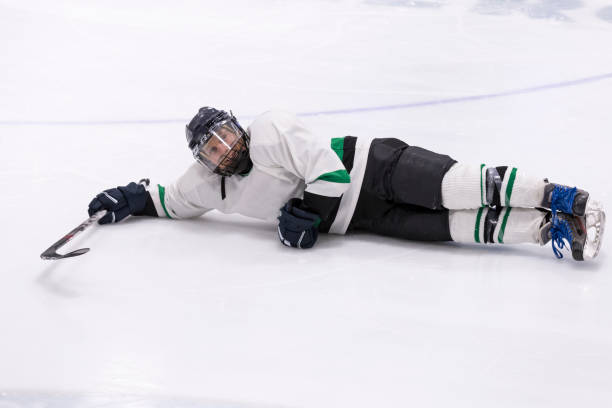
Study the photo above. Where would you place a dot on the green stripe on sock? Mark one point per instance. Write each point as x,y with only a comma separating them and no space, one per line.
502,229
162,197
477,227
510,186
338,176
481,198
337,145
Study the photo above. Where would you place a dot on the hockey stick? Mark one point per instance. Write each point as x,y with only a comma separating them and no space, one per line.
51,252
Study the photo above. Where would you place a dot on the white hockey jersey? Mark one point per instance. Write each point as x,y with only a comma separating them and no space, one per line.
288,162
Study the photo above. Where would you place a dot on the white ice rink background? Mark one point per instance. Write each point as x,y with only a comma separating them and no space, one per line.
214,312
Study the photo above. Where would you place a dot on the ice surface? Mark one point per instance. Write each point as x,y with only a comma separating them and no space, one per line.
214,311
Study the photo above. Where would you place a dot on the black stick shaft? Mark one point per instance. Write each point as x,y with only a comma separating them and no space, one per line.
51,252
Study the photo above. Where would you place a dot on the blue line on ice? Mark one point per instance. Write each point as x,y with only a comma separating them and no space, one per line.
459,99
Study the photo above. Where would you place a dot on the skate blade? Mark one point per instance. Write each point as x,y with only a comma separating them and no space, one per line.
595,226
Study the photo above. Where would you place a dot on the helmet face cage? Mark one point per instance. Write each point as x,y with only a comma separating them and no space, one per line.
223,147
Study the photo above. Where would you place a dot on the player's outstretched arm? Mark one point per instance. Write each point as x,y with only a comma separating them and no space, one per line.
119,202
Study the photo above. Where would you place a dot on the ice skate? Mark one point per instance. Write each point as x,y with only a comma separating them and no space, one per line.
565,199
583,234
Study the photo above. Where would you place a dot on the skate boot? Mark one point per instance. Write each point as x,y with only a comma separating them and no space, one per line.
565,199
583,234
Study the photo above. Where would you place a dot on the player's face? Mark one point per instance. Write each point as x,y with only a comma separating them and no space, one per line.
223,138
219,145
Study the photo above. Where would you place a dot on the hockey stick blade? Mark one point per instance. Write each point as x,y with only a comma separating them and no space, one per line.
51,252
51,255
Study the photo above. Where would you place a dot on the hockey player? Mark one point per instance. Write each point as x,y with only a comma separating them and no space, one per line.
352,183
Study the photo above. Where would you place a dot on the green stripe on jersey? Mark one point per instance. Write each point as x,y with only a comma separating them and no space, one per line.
337,145
502,229
477,226
481,197
338,176
162,198
510,186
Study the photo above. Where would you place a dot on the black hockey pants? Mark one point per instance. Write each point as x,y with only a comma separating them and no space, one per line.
401,194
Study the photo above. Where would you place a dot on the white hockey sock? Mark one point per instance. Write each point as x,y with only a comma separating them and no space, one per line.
464,186
506,226
527,191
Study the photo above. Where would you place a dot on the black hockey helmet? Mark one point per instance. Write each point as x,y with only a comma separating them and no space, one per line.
218,142
200,124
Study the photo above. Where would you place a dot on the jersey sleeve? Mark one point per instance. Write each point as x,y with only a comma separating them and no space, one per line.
181,199
280,139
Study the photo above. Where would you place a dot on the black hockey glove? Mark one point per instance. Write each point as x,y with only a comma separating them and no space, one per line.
297,228
122,201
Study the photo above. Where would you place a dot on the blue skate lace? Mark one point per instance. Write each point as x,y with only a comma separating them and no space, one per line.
559,231
562,199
